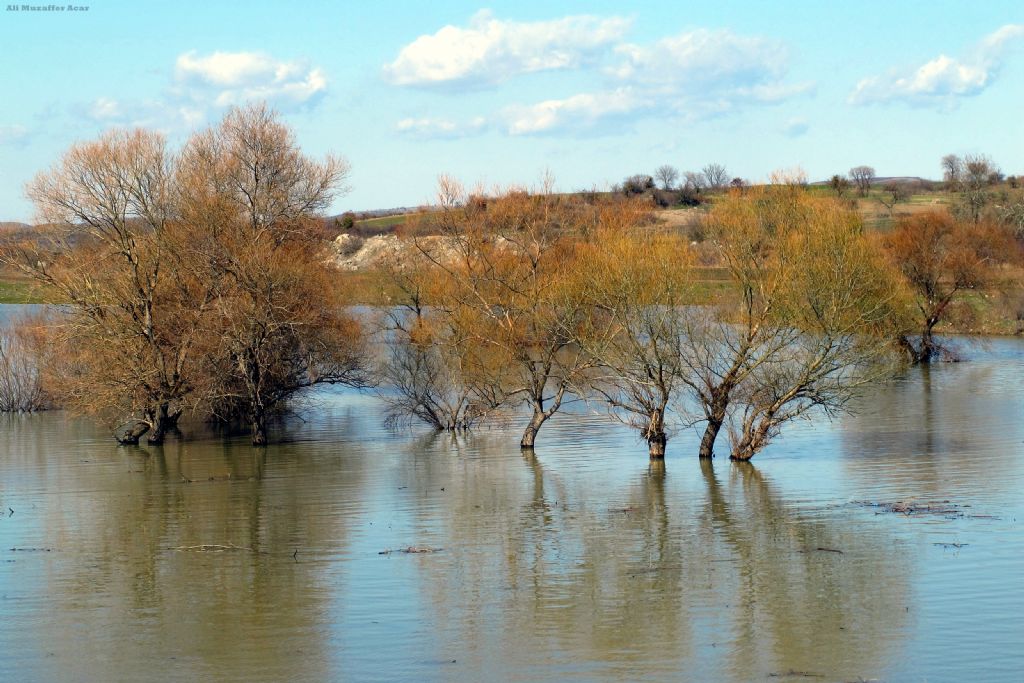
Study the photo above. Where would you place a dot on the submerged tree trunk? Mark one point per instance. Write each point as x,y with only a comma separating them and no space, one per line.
259,430
129,435
656,437
929,348
536,422
656,445
540,416
164,421
707,442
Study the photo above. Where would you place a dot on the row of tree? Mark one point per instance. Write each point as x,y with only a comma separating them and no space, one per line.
196,281
533,299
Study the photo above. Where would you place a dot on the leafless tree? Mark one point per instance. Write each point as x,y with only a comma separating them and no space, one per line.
694,182
638,287
893,193
715,176
667,175
952,170
862,176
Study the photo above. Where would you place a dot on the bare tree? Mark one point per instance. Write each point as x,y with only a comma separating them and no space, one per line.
862,176
21,381
893,193
715,176
667,175
694,182
978,173
433,370
952,170
191,280
507,284
112,208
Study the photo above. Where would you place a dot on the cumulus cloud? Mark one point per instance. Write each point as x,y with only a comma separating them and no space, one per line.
428,128
203,84
692,75
703,56
492,50
579,113
227,78
944,79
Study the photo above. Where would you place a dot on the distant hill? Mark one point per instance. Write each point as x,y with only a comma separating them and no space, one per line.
880,180
12,226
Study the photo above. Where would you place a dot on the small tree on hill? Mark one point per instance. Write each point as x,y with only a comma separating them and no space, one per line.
667,175
862,176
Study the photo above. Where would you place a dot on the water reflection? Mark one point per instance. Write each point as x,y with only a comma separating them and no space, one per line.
580,561
173,562
730,587
948,431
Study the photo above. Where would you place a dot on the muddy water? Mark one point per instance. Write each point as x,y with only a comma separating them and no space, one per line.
208,560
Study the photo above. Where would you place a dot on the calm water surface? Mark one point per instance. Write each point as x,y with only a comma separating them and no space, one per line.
582,563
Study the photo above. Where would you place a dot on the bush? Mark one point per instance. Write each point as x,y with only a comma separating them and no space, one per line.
637,184
21,388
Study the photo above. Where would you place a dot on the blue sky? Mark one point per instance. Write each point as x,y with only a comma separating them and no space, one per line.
497,94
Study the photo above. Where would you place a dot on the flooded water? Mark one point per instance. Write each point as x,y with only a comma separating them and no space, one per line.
206,559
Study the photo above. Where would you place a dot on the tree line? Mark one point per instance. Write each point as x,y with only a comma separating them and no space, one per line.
196,282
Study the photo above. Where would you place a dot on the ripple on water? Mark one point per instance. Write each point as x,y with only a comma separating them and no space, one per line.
578,561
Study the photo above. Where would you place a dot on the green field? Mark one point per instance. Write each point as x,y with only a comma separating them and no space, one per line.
17,292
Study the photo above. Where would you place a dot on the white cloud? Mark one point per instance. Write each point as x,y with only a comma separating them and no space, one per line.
491,50
943,79
693,75
578,113
227,78
104,109
204,84
428,128
703,56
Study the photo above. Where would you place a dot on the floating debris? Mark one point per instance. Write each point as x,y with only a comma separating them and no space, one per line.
792,673
211,548
411,550
952,545
940,508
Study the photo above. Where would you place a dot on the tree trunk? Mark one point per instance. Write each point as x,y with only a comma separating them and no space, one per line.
928,346
164,421
259,430
530,435
707,442
656,445
656,437
130,435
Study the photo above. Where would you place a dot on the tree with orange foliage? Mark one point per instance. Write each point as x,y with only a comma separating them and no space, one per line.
506,263
638,286
277,319
941,258
800,331
192,280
